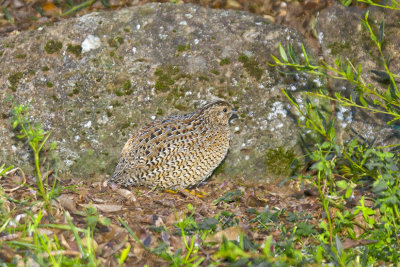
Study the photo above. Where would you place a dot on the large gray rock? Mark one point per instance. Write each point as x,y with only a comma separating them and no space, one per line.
143,63
342,36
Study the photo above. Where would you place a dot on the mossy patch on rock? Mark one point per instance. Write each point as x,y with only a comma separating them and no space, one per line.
21,56
224,61
251,66
14,78
116,42
182,48
338,47
125,89
165,78
52,47
74,49
278,161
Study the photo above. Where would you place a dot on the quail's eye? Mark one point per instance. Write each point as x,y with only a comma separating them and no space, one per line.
225,110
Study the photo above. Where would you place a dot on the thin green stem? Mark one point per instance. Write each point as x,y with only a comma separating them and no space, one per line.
78,7
326,208
39,181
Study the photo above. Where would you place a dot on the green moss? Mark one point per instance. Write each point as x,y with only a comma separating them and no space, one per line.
54,98
338,47
160,111
180,106
74,49
165,78
182,48
116,104
125,125
49,84
225,61
45,68
115,42
1,53
176,94
31,72
118,92
127,85
108,113
278,161
214,72
251,66
220,169
21,56
203,78
75,91
126,29
14,78
52,46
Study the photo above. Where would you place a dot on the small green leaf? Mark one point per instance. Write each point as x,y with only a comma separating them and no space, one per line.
363,102
124,254
342,184
282,53
348,193
381,32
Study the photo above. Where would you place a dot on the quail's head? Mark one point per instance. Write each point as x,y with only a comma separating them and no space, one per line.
219,113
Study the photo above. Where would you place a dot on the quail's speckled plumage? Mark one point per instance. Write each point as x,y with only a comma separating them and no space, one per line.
177,151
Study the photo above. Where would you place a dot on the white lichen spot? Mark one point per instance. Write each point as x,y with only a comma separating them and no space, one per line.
153,117
13,148
163,36
91,42
292,87
258,23
77,138
138,27
264,125
243,144
188,93
341,116
234,82
320,37
317,82
196,41
277,109
280,125
237,128
68,162
134,50
183,23
247,157
189,16
88,124
40,28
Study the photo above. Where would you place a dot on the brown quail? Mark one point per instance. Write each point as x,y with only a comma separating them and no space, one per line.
177,151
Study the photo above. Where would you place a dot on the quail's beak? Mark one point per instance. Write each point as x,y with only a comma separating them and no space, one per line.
233,115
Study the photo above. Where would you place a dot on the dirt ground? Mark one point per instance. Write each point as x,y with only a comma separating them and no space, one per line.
153,215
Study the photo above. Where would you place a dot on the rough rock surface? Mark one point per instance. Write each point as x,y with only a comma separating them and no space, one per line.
143,63
342,35
94,80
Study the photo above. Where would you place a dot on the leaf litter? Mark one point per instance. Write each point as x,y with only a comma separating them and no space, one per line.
160,225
